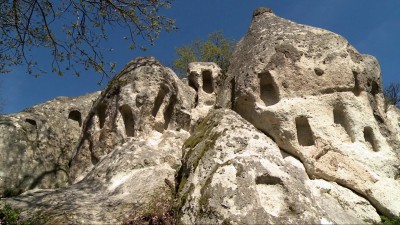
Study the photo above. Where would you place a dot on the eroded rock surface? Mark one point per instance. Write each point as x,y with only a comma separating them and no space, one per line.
144,97
131,176
296,132
37,143
321,101
206,79
233,173
128,152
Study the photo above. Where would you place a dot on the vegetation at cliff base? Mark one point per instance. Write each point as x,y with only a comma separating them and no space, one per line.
390,221
11,216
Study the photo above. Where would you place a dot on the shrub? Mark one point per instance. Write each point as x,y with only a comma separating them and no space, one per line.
161,210
11,192
11,216
391,221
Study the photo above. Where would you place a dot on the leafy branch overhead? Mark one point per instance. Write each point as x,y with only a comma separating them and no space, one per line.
216,48
74,31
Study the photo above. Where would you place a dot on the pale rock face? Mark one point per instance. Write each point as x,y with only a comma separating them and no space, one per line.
37,143
205,79
232,172
321,101
296,132
122,183
144,97
353,208
393,114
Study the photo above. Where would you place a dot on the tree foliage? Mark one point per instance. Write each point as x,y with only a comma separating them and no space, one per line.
74,31
392,94
216,48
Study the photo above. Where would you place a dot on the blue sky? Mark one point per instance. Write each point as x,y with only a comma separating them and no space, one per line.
372,27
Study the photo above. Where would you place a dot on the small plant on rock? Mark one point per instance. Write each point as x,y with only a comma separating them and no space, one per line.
11,192
161,210
11,216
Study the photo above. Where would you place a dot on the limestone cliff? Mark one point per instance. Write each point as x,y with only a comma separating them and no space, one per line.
36,144
296,132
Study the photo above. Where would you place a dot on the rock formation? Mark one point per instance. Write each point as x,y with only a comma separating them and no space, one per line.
233,173
305,88
143,98
36,144
296,132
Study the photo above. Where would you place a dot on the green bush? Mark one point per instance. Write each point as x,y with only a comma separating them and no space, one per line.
12,192
11,216
391,221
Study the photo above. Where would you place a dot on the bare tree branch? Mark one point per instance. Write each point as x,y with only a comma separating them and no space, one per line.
392,93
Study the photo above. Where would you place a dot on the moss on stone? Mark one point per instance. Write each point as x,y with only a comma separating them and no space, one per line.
205,196
11,192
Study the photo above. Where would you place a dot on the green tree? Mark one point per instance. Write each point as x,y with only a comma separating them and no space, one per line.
74,31
216,48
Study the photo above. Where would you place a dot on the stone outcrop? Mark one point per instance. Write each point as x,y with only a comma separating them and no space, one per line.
320,101
297,132
37,143
234,174
124,182
206,79
129,150
144,97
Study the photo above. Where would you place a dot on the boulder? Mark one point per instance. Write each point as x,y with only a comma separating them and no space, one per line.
234,174
37,143
143,97
126,159
133,179
320,101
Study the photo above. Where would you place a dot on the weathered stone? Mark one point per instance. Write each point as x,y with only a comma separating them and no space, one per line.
144,97
231,172
128,179
320,100
205,78
296,132
37,143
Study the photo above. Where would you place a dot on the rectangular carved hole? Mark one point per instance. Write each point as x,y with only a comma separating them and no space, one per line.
357,88
128,119
369,137
101,114
268,180
269,92
340,118
159,100
75,115
168,113
193,85
233,86
207,82
304,132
